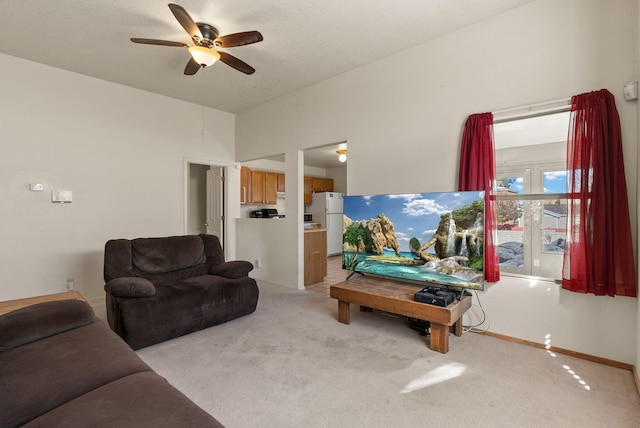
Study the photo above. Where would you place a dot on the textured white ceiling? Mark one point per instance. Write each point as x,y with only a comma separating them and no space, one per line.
304,41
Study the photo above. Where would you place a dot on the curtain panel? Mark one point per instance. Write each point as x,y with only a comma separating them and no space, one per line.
598,256
478,172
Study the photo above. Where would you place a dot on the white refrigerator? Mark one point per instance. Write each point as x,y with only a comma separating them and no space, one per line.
326,209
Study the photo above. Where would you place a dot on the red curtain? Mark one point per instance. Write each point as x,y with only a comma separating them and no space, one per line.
478,172
598,256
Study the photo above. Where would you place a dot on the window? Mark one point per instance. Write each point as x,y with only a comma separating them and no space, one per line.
531,204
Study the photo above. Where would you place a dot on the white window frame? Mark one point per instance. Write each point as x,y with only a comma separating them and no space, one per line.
538,263
540,129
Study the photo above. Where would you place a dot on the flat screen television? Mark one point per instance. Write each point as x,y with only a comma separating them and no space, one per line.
431,238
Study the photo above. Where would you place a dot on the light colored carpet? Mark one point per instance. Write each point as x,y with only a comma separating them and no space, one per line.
291,364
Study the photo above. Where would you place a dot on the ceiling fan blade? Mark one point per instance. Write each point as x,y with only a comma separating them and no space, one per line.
158,42
185,20
192,67
238,39
234,62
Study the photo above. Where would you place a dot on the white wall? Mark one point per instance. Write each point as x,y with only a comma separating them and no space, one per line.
339,176
120,150
402,117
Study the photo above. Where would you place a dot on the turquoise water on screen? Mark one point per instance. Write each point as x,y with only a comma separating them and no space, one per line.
420,273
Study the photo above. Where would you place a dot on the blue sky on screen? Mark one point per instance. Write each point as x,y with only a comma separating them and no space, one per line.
413,215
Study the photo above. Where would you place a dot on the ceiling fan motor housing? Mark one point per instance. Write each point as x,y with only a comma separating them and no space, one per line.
209,34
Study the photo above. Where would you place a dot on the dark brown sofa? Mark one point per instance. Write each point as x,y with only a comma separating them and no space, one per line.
61,367
161,288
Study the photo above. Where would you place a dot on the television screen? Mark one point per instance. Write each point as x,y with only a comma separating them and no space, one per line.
434,238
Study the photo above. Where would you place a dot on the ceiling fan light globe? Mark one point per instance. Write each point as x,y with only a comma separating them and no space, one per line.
204,56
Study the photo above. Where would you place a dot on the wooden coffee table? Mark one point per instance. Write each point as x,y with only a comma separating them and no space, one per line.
397,298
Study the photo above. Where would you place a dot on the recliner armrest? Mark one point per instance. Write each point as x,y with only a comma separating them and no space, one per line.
130,286
233,269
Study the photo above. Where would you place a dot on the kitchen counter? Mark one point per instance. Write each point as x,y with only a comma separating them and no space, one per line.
311,225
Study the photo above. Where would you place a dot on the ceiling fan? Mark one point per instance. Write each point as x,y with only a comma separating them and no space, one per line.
205,38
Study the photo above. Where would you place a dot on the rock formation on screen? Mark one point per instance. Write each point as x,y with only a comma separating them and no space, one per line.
370,236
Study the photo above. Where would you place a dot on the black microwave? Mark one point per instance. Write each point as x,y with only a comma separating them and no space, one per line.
308,217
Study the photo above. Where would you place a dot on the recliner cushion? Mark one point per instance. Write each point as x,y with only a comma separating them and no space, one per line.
159,255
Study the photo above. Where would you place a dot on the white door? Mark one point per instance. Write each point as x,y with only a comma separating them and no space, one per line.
215,202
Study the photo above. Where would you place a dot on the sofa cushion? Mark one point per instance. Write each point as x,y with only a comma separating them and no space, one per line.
159,255
232,269
138,400
130,287
42,320
44,374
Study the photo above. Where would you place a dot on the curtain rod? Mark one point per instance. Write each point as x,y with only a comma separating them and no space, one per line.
532,110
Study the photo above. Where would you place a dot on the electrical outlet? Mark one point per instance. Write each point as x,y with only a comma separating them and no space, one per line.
71,283
258,263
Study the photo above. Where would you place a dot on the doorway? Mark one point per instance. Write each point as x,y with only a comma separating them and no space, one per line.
205,199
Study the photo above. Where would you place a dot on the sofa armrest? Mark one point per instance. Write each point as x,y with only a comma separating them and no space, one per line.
42,320
233,269
130,286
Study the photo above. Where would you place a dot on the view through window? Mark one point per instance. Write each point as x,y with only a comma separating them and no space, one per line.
531,191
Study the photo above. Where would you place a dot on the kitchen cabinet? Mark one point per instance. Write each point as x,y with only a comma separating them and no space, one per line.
264,185
308,190
245,182
315,256
316,184
280,182
320,184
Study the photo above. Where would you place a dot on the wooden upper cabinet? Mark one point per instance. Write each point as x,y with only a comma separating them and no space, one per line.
322,184
308,190
245,183
270,188
264,187
280,182
257,187
328,184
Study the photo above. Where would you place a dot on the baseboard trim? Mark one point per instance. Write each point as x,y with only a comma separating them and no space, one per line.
580,355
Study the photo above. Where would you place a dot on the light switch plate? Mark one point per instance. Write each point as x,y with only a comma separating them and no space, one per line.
61,196
36,187
631,91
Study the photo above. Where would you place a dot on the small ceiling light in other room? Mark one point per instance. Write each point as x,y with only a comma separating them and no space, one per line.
204,56
342,155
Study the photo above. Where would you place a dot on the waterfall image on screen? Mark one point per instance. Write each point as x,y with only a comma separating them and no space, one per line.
435,238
